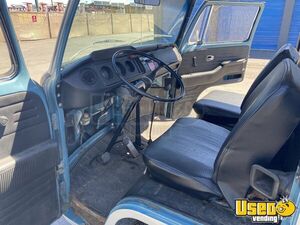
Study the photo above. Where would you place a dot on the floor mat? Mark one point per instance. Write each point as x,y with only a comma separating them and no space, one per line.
100,187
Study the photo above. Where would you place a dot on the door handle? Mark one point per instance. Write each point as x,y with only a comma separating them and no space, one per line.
209,58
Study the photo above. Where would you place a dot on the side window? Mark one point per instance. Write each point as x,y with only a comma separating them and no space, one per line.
5,59
226,23
198,31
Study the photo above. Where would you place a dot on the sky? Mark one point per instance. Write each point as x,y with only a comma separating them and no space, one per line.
9,2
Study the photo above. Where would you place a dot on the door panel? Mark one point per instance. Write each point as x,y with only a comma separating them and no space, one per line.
29,156
27,123
215,48
227,71
28,161
200,60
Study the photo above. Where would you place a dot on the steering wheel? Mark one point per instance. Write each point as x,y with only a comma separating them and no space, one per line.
147,79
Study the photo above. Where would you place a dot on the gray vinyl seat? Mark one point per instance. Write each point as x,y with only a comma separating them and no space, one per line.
201,157
224,107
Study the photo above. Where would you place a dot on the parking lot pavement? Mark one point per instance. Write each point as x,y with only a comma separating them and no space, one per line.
38,55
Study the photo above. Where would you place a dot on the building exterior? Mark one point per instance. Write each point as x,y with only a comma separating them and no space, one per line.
17,8
279,24
111,7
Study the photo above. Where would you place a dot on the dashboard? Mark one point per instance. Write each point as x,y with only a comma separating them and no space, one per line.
90,78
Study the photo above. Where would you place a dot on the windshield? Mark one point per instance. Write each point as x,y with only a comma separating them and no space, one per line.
100,25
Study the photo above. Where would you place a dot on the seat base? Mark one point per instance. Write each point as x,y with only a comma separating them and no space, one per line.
184,156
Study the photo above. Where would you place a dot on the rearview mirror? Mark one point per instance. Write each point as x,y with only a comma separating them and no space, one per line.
148,2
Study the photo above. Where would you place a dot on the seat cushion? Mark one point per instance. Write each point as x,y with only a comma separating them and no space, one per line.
185,154
220,107
220,103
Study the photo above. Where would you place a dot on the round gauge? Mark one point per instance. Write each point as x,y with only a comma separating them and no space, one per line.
129,66
121,68
106,73
89,77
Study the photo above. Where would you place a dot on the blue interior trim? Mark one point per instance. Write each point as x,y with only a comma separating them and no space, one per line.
155,211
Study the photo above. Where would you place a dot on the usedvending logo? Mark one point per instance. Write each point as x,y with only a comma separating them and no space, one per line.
265,211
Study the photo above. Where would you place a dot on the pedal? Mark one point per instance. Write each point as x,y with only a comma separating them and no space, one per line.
105,158
130,146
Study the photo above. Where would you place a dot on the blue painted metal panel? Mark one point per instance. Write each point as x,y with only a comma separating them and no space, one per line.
268,30
295,25
153,210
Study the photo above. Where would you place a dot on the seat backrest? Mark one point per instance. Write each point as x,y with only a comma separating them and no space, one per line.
262,130
286,51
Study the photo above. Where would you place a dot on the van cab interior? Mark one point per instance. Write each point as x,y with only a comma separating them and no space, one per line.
84,137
